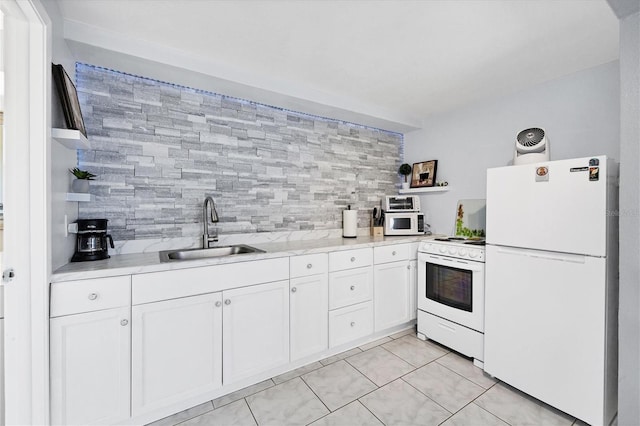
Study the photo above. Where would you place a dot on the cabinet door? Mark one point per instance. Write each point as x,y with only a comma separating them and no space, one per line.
309,310
90,368
255,329
176,350
392,294
413,288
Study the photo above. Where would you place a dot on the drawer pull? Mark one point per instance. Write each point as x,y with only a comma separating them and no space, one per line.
227,302
93,296
309,266
353,324
353,287
393,253
353,259
124,322
293,290
218,304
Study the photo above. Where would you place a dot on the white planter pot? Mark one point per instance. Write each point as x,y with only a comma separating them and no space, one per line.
405,185
80,186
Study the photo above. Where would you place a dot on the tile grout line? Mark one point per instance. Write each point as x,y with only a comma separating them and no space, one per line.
250,410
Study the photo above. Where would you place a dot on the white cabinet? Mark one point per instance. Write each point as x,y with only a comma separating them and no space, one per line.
309,305
394,285
90,351
255,329
393,291
350,295
176,350
90,367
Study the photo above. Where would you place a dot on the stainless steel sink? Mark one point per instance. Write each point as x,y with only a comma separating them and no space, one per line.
222,251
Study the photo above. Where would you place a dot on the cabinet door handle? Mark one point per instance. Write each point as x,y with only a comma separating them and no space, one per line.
353,287
124,322
353,259
218,304
309,266
393,253
408,266
93,296
293,290
227,302
353,324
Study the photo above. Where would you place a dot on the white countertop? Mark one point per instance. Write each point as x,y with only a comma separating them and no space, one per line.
139,263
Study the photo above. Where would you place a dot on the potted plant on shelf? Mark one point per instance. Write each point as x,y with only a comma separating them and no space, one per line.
81,182
405,170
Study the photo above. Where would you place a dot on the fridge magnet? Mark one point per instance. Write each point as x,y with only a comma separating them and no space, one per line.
68,99
594,173
423,174
542,174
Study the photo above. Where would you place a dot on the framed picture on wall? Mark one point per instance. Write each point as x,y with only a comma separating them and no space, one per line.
423,174
68,98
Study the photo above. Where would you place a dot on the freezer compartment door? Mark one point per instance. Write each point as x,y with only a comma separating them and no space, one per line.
545,327
564,210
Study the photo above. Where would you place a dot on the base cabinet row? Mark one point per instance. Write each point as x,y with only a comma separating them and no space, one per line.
123,360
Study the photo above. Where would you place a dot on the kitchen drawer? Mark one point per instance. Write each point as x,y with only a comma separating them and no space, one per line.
74,297
350,323
393,253
350,287
309,264
461,339
347,259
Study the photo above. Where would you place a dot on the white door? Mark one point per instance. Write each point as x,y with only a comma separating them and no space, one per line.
309,310
392,294
176,351
545,327
27,61
564,213
90,366
255,329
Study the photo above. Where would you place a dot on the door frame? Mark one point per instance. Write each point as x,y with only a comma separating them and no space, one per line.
27,248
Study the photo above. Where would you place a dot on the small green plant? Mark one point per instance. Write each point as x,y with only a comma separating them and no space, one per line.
82,174
404,170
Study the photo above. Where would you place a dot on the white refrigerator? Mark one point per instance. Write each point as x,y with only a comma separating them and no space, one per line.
551,283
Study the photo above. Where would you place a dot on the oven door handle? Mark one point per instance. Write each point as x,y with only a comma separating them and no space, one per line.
456,263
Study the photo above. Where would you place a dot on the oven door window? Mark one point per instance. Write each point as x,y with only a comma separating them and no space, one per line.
401,223
450,286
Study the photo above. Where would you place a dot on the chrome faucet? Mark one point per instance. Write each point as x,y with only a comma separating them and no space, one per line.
207,238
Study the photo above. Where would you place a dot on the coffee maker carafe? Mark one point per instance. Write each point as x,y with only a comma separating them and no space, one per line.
91,243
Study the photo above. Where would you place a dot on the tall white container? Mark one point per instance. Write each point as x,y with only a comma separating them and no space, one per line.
350,223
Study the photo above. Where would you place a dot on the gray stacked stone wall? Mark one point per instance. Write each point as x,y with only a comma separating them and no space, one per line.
158,149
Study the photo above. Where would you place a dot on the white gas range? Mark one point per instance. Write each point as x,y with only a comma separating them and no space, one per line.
451,295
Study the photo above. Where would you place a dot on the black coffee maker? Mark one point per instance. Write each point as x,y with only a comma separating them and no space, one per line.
91,243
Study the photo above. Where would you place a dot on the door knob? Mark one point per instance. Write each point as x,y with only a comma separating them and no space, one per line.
293,290
218,304
124,322
227,302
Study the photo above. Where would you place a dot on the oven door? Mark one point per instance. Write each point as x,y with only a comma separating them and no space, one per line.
452,289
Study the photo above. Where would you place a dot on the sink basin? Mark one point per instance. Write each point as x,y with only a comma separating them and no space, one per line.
222,251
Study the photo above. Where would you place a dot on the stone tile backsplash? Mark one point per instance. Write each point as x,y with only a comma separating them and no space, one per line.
158,149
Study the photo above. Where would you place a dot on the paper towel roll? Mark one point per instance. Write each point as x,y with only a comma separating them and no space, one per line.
350,223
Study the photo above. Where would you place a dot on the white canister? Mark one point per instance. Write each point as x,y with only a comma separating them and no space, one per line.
350,223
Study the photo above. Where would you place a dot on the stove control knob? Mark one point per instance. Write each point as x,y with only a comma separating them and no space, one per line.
462,252
473,254
452,250
443,250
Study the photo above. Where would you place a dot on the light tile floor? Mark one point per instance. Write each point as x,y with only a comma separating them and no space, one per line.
397,380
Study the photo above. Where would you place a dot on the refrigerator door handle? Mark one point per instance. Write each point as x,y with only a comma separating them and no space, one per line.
562,257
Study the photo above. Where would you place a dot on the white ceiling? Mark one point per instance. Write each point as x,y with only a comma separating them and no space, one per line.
390,62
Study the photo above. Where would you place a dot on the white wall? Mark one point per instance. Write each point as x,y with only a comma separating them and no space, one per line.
629,314
580,113
62,158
